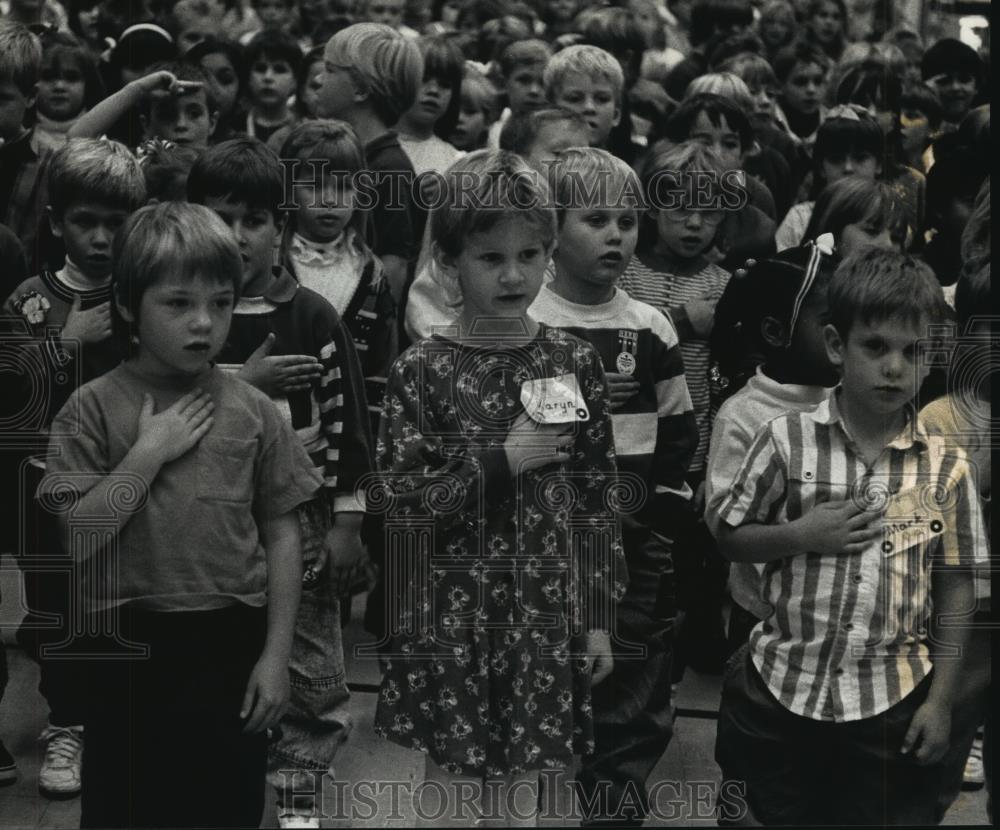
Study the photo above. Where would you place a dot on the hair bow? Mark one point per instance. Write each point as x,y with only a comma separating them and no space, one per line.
849,112
821,246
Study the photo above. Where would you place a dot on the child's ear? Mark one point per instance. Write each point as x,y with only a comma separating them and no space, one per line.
835,346
213,122
444,261
773,332
617,118
55,224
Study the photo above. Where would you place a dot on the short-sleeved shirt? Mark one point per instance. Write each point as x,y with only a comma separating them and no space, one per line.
195,544
848,636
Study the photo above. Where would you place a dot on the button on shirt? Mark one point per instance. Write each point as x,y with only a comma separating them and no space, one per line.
847,637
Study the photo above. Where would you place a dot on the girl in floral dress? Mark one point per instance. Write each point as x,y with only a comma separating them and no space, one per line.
498,488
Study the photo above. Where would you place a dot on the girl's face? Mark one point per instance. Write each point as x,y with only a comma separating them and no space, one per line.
915,131
272,13
764,99
272,82
432,102
856,162
312,87
224,80
562,11
686,233
804,88
775,31
449,13
499,271
325,210
525,91
89,20
61,89
808,347
182,325
864,234
470,127
827,23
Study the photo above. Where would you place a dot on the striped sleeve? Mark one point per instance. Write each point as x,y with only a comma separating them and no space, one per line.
759,485
963,542
676,430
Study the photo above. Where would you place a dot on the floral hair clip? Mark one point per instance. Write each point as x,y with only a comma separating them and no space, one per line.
151,148
33,307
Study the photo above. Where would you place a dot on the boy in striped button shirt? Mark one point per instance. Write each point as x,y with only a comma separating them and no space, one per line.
841,711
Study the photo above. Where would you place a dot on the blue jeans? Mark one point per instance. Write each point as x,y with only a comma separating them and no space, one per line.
317,721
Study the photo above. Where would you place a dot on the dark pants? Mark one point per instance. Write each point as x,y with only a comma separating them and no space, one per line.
632,718
799,771
701,575
165,746
47,631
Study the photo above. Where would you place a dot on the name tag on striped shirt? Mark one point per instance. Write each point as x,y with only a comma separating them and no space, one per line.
910,519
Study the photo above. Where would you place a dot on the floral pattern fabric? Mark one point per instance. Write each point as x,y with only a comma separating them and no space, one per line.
497,577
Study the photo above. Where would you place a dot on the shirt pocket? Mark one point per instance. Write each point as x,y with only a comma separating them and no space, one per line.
226,469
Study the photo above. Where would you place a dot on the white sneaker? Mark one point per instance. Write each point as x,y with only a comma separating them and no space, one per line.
975,774
59,776
297,820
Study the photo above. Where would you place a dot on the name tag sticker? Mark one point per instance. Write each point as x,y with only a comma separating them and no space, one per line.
554,400
908,521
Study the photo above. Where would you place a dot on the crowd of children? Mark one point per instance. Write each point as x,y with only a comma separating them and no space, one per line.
589,341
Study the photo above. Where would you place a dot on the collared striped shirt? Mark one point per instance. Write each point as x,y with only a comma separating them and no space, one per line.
848,635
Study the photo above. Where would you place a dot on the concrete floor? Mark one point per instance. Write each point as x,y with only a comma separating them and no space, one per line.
687,770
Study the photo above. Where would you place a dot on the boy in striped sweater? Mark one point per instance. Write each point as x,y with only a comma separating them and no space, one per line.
655,437
843,710
290,343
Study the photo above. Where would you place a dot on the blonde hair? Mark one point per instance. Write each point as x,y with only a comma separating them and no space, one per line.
95,170
503,185
590,61
725,84
387,64
587,178
20,56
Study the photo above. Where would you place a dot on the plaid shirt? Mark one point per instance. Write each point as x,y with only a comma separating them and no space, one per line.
848,635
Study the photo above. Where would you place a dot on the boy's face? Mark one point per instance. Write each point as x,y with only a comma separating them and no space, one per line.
722,138
915,130
338,92
562,11
273,14
856,162
313,87
804,88
553,138
955,91
500,271
687,233
195,33
774,31
879,363
184,120
525,91
183,323
592,98
596,245
389,12
87,230
272,83
256,234
13,105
